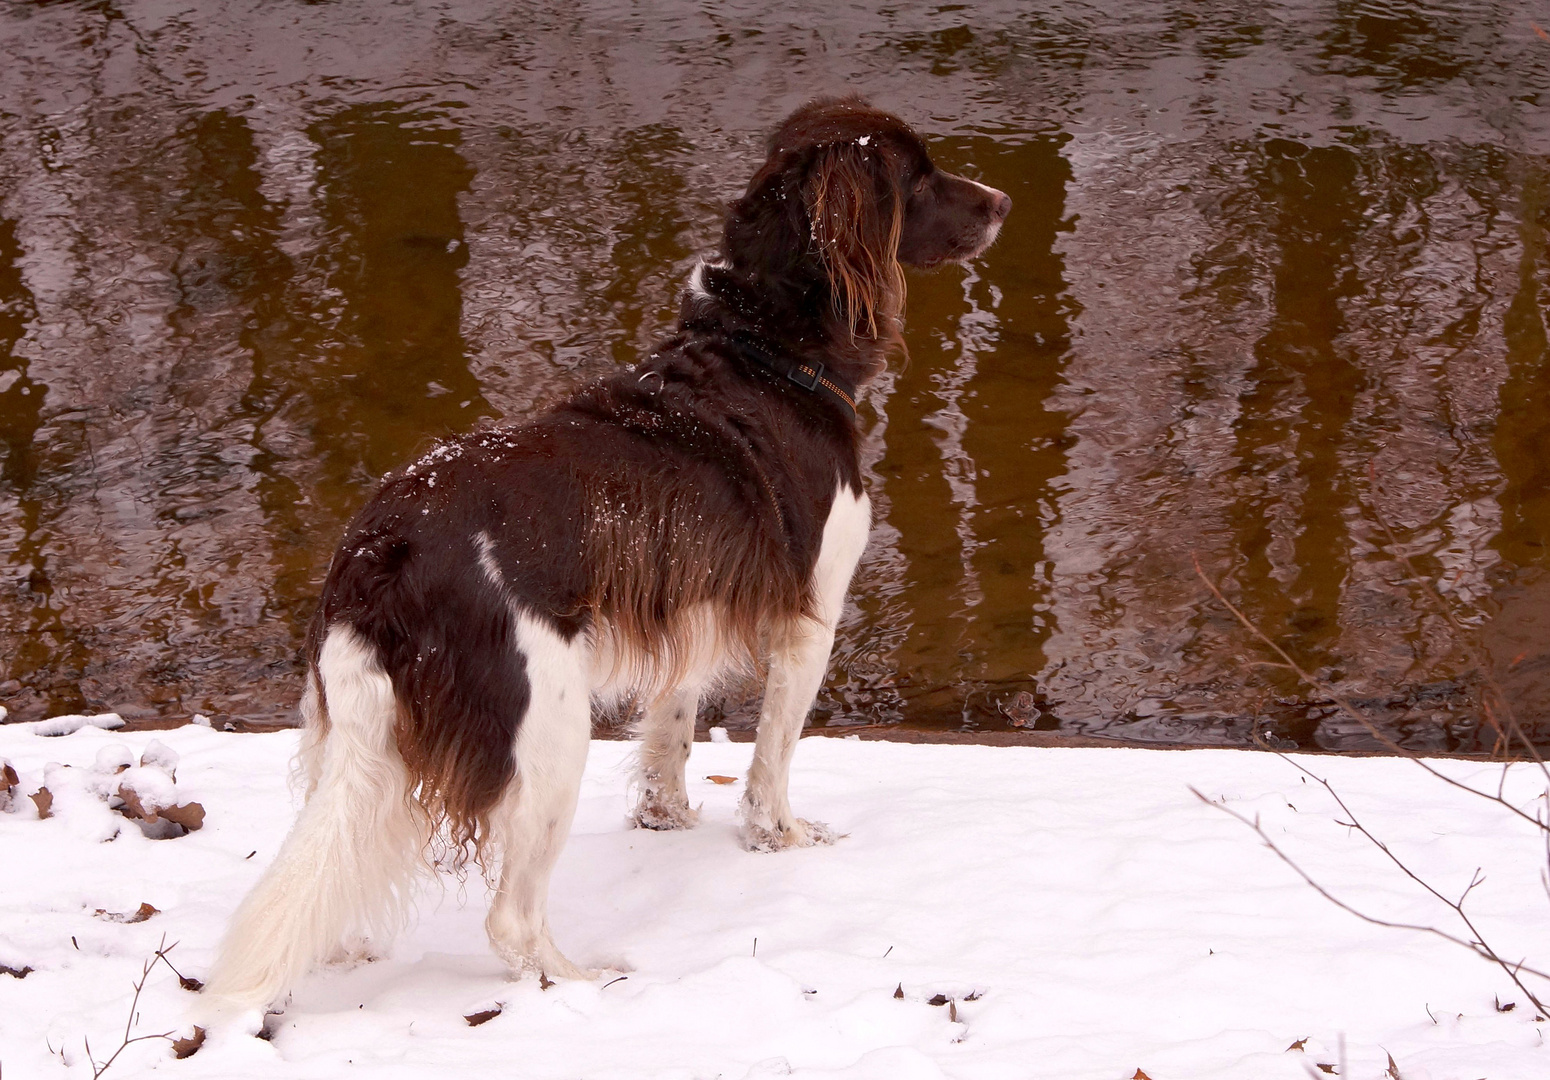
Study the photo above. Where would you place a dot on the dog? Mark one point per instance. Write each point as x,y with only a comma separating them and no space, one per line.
697,514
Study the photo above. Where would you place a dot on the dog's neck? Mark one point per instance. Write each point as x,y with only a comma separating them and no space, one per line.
794,318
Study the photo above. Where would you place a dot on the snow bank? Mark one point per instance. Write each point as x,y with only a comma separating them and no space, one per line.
69,725
1078,914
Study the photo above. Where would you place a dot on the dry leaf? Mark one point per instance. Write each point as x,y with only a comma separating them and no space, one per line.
1392,1072
1326,1068
973,995
484,1016
193,986
898,992
15,973
182,1048
190,815
1504,1008
952,1011
132,807
139,914
8,775
544,982
715,779
187,818
938,999
45,801
1140,1076
1298,1045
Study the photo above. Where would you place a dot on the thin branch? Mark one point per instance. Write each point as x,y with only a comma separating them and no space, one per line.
160,957
1350,709
1456,906
1478,947
1466,640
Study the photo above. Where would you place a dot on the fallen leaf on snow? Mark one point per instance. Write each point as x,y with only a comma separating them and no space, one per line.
160,822
715,779
938,999
898,992
159,755
45,800
182,1048
1298,1045
15,973
190,815
1326,1068
484,1016
1140,1076
139,914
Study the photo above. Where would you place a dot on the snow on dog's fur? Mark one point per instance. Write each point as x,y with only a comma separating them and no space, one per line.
688,516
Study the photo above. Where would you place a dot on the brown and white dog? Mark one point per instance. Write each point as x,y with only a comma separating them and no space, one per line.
692,515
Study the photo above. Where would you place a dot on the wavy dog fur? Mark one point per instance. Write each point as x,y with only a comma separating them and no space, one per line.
694,514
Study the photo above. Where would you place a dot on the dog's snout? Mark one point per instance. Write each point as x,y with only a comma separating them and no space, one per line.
1000,204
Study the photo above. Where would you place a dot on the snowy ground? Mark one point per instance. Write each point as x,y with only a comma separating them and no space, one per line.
1085,914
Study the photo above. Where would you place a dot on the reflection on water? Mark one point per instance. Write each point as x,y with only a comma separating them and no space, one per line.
1276,282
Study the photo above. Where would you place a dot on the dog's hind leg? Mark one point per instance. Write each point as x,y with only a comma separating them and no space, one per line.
532,821
667,734
350,860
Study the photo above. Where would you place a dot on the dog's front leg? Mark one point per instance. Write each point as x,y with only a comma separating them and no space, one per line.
796,670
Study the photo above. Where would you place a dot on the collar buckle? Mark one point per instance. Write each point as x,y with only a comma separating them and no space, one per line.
805,376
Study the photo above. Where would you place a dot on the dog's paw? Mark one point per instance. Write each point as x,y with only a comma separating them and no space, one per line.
797,833
651,814
354,952
548,965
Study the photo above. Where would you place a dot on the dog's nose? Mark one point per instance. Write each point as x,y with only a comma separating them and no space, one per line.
1002,206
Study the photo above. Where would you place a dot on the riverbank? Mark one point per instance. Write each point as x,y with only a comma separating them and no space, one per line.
1078,913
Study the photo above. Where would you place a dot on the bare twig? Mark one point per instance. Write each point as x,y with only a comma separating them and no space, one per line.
160,957
1349,708
1478,947
1506,725
1477,944
1495,696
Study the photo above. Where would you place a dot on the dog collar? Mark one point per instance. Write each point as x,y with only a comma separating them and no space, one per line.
809,376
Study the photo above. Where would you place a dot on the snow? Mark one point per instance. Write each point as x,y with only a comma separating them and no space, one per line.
1085,915
66,725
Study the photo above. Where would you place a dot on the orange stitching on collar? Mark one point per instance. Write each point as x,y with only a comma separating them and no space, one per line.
846,398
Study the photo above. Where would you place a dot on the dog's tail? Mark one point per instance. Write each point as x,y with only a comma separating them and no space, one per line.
349,863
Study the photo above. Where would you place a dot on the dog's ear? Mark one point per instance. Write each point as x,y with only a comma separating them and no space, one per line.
856,215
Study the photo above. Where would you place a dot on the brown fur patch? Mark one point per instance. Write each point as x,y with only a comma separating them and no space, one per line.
694,579
856,213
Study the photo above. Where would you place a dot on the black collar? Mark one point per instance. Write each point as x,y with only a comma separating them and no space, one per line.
809,376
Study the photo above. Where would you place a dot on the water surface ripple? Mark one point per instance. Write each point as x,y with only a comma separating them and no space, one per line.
1277,276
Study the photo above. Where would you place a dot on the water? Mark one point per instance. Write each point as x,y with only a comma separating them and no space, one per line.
1276,276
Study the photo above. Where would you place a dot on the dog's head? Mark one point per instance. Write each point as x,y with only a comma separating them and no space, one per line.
847,195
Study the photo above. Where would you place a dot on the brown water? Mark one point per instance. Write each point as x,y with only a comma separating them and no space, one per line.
252,255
